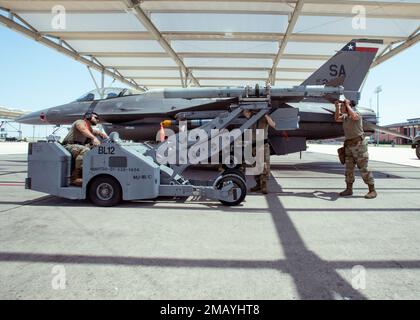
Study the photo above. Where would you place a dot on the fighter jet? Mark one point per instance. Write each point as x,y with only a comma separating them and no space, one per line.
138,116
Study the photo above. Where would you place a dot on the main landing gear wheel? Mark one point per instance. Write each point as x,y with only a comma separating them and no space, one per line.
418,151
105,191
237,194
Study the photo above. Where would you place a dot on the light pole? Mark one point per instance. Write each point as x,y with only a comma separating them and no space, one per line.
377,91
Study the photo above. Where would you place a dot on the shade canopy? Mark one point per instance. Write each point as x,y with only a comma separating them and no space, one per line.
150,43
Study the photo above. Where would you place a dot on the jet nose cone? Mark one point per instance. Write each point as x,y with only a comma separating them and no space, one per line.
38,117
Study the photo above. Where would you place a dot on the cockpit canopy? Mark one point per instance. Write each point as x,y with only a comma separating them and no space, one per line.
107,93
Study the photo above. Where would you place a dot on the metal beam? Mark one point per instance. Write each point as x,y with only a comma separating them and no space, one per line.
35,35
292,22
339,9
338,14
215,68
126,54
101,35
145,79
217,36
253,69
244,79
183,78
226,55
248,78
392,52
6,113
270,36
244,55
177,78
155,78
148,24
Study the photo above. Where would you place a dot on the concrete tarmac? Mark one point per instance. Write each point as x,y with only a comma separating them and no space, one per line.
301,241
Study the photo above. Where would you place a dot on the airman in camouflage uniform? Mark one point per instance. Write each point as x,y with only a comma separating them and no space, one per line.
262,179
355,147
78,141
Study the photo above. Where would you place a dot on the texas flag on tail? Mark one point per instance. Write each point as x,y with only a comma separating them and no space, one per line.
361,46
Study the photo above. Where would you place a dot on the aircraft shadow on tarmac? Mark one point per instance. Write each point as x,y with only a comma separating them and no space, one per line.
313,277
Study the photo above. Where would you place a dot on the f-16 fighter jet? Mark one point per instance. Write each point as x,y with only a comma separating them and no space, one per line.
138,116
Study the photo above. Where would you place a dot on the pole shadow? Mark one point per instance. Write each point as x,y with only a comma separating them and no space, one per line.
314,278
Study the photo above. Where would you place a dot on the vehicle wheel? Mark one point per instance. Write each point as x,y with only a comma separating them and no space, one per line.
418,151
237,194
105,191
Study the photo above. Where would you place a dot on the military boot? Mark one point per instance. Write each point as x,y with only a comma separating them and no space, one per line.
264,187
372,192
348,191
257,186
75,179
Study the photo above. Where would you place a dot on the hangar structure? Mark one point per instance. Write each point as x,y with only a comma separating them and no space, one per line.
180,43
6,113
6,122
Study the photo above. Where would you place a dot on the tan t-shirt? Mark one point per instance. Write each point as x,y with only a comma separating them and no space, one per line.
75,136
352,128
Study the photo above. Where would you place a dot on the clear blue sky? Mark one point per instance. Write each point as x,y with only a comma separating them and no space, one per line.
36,77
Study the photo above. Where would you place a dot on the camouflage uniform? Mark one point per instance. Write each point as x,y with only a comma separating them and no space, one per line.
77,144
356,153
262,179
77,152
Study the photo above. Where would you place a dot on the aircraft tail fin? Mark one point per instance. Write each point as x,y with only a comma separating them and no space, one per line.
348,67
